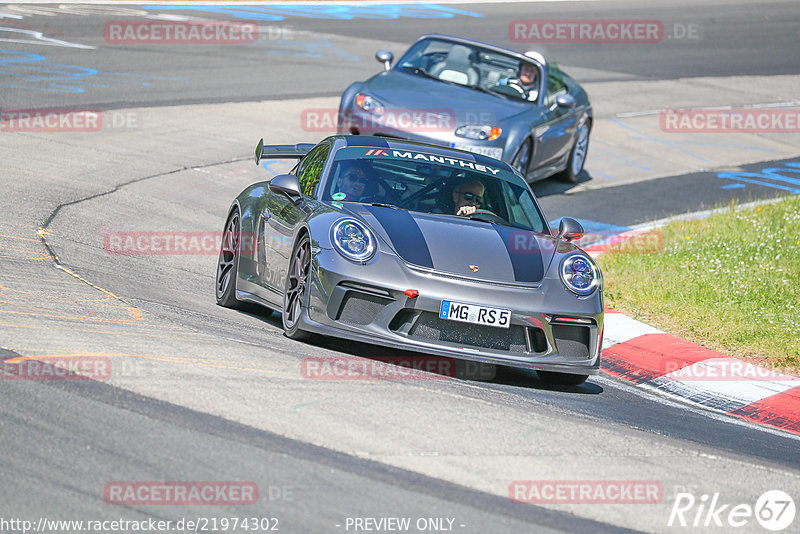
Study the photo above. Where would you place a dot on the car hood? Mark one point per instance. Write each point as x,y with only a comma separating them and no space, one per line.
408,91
460,246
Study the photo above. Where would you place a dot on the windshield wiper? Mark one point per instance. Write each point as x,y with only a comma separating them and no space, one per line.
481,89
422,72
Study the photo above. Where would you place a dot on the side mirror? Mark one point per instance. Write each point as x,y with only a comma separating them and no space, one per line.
286,184
385,57
565,101
568,229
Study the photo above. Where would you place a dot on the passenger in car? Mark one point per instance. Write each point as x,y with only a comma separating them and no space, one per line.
354,181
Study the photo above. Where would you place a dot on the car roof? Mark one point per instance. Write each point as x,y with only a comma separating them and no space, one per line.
343,141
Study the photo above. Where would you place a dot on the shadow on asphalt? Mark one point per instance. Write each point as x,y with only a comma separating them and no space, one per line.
450,368
555,186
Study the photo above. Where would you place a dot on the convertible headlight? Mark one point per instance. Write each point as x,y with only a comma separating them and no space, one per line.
481,132
369,104
579,274
353,240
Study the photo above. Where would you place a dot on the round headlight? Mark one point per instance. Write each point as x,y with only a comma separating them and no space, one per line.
579,274
353,240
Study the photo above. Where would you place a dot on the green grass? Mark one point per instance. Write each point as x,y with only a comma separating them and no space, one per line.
730,282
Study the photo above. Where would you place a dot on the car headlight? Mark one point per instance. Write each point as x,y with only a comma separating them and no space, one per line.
369,104
481,132
579,274
353,240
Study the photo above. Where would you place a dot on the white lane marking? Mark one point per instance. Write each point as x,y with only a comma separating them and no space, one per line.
39,39
629,114
702,214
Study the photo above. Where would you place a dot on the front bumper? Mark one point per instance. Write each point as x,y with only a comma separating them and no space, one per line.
551,328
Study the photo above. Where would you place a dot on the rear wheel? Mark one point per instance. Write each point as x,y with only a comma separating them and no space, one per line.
577,157
296,288
228,263
561,379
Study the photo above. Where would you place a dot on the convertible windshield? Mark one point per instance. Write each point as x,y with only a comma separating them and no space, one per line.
475,67
430,183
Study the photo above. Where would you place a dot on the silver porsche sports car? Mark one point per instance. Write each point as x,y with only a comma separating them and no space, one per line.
477,97
417,247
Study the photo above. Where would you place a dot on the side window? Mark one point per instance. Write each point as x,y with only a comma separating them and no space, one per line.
555,85
309,171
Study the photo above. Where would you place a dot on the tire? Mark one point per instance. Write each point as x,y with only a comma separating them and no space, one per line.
561,379
522,159
577,156
228,263
295,290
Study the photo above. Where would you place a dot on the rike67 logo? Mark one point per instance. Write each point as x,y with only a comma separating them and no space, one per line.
774,510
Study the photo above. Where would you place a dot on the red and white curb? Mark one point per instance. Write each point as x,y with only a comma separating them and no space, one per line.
645,356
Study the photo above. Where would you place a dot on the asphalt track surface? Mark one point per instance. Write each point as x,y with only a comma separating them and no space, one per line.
200,393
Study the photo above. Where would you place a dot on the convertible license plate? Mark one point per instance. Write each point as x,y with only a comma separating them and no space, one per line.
472,313
496,153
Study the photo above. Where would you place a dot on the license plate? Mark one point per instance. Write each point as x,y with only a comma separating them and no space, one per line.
472,313
496,153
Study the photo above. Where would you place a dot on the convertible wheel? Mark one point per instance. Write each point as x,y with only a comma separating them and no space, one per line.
561,379
228,263
523,158
296,288
578,155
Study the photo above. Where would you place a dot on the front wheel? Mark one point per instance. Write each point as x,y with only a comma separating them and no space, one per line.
522,159
296,289
577,157
228,263
561,379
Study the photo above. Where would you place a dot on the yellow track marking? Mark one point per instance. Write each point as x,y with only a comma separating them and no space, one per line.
90,319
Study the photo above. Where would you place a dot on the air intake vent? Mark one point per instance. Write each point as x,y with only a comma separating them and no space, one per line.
359,309
430,326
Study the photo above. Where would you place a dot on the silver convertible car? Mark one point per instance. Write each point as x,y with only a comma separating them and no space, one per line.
416,247
476,97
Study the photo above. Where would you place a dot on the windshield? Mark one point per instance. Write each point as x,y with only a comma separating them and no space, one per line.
420,181
475,67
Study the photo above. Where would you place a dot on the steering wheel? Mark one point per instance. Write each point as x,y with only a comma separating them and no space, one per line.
480,214
510,89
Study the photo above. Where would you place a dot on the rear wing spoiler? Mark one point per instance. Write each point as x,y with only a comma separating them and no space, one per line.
282,151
